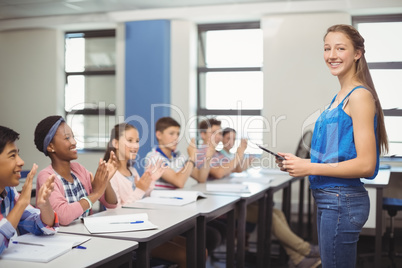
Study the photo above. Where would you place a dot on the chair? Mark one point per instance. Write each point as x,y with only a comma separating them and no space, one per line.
392,205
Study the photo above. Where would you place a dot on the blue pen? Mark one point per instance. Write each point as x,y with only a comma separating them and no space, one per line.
126,222
26,243
172,197
80,247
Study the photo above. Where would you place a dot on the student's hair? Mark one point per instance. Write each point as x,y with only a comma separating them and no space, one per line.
42,129
165,122
7,135
117,131
227,131
363,76
208,123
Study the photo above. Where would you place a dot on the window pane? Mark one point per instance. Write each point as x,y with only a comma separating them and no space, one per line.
231,48
393,125
91,131
249,127
91,53
388,84
89,91
234,90
383,41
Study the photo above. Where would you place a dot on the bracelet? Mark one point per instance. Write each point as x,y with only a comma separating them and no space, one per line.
191,161
89,202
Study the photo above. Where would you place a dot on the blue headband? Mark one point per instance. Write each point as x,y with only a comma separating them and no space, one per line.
50,135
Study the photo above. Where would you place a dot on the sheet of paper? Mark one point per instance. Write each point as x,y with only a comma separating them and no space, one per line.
118,223
40,248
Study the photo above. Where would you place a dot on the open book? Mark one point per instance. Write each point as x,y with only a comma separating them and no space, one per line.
32,248
118,223
169,198
233,187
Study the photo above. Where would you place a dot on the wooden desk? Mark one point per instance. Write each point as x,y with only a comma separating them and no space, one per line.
100,252
379,183
169,225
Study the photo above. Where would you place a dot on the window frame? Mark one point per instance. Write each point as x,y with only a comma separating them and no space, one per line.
108,71
382,65
202,69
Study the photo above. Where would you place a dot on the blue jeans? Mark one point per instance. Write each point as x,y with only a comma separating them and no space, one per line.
341,214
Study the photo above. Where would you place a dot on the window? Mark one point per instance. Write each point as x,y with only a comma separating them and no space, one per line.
90,86
383,44
230,78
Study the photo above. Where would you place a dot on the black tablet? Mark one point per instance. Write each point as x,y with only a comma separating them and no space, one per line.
274,154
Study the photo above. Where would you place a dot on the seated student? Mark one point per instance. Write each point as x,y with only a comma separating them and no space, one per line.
129,187
302,254
75,188
220,166
16,211
228,140
126,182
179,168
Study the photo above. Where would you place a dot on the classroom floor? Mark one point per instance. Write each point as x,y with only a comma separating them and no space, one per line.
365,248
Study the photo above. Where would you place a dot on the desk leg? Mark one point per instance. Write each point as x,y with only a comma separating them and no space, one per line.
201,244
262,208
241,233
287,192
191,248
268,220
230,239
143,253
378,227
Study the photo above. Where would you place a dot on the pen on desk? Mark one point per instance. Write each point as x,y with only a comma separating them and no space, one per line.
171,197
126,222
26,243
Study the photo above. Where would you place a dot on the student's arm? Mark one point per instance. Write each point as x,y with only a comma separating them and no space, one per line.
110,195
225,168
201,172
24,199
361,108
179,178
67,212
101,188
46,211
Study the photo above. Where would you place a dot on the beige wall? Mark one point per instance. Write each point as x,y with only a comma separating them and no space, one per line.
31,84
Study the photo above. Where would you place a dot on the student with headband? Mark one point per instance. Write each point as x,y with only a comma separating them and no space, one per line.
75,190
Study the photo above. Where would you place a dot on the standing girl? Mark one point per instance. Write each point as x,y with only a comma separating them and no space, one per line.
75,188
348,138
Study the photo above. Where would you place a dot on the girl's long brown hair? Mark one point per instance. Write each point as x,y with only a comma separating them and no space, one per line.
363,75
116,133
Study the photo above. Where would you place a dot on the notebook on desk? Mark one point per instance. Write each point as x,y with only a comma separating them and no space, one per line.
32,248
167,198
118,223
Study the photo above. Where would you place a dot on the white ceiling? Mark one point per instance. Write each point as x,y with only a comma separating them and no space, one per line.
16,9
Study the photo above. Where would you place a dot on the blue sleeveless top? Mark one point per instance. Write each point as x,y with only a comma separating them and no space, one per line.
333,142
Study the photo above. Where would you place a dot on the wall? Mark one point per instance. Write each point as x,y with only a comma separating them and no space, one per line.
31,84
